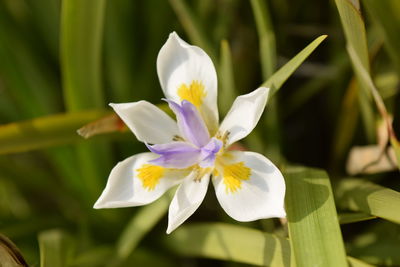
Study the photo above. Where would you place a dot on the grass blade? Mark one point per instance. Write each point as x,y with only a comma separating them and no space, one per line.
56,248
363,196
230,242
192,27
279,78
45,131
227,89
314,230
141,224
385,15
81,42
354,30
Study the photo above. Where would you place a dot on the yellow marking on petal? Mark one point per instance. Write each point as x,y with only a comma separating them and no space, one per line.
150,175
194,93
215,172
234,174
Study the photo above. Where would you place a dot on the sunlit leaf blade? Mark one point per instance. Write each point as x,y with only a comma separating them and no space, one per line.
56,248
364,196
44,132
230,242
353,217
353,262
314,230
140,224
279,77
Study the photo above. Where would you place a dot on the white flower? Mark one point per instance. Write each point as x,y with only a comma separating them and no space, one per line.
193,150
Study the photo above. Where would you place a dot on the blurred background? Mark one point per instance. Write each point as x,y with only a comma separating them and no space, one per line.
62,62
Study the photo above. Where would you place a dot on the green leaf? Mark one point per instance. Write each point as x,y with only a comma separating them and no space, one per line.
352,217
81,43
357,263
385,14
56,248
227,89
230,242
354,30
268,58
140,224
363,196
191,24
278,78
44,132
238,244
314,230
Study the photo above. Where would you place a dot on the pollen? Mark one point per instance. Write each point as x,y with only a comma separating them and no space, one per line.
233,176
150,175
194,93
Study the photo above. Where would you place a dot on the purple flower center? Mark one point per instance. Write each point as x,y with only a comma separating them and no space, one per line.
198,147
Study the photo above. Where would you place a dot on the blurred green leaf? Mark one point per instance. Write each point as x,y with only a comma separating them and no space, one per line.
44,132
266,35
56,248
354,30
192,26
385,14
230,242
361,195
227,90
279,78
81,43
140,224
268,58
314,230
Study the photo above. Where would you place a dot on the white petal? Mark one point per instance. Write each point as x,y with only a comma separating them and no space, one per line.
187,199
125,189
260,197
180,63
149,123
244,114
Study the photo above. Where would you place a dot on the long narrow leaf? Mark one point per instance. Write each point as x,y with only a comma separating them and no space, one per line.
314,230
229,242
56,248
363,196
81,42
279,77
45,131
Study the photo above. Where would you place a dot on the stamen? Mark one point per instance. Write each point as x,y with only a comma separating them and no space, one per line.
178,138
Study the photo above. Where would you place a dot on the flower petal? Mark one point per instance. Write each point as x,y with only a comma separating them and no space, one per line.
175,155
187,72
149,123
209,152
258,196
134,182
187,199
190,123
244,114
